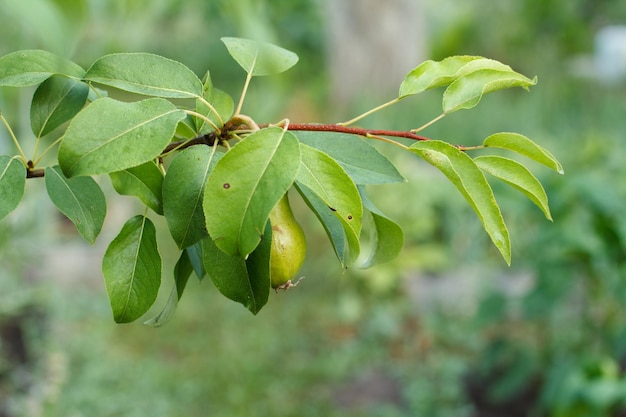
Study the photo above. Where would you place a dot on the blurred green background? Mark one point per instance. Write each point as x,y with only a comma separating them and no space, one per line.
446,329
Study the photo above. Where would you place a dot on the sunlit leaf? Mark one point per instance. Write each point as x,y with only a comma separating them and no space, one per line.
12,184
146,74
245,185
31,67
433,74
524,146
144,181
517,175
110,135
326,178
260,58
481,64
470,181
333,226
183,191
56,101
80,199
132,270
330,182
361,161
466,91
387,236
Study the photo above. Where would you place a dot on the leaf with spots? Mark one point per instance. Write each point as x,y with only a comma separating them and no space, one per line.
183,191
327,180
362,161
346,246
245,185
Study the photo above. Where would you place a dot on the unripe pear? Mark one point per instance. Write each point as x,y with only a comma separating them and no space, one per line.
288,248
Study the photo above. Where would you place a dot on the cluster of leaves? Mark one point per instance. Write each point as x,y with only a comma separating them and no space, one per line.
188,153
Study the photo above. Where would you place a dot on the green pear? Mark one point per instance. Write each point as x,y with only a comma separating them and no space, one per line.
288,248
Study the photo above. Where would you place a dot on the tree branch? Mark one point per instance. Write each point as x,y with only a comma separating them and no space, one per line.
353,130
35,173
210,138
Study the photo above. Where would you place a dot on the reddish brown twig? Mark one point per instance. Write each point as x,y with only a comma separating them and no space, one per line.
312,127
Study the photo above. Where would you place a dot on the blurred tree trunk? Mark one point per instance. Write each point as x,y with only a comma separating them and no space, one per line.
372,44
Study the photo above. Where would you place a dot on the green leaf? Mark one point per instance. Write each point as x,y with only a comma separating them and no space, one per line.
182,272
132,270
258,266
144,181
387,236
194,252
230,276
110,135
517,175
330,182
12,183
245,185
167,313
470,181
347,251
80,199
466,91
186,128
481,64
31,67
146,74
260,58
56,101
524,146
433,74
361,161
183,191
221,102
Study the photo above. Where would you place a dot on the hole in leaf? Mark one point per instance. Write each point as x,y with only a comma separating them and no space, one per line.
227,185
